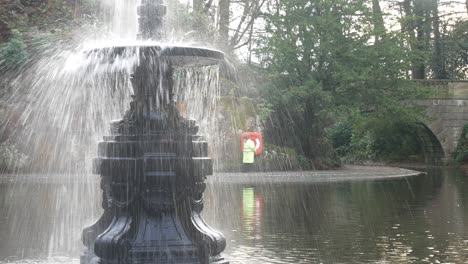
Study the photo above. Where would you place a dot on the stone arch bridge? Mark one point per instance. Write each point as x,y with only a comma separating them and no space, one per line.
447,114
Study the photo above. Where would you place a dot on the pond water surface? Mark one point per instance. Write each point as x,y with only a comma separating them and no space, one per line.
419,219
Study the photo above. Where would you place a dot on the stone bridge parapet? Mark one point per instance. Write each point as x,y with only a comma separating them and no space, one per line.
447,114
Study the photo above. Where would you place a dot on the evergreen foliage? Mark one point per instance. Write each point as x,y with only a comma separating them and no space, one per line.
330,78
325,69
461,152
14,51
10,158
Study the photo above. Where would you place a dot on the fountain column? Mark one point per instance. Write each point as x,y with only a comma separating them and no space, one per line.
153,167
150,19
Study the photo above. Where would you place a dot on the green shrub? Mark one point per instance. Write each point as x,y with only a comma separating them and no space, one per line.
461,152
13,52
10,158
341,135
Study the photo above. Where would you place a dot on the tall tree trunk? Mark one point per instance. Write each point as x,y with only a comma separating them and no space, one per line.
379,27
408,27
77,8
407,21
50,5
249,60
419,69
197,6
403,30
438,63
207,6
4,32
224,17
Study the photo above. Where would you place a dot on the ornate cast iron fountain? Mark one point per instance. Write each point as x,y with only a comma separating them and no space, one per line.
153,165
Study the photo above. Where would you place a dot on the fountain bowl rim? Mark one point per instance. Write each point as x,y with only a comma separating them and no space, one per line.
178,54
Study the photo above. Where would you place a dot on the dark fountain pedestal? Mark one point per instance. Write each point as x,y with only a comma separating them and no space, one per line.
153,167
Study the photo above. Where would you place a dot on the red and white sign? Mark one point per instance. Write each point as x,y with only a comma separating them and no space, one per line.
257,138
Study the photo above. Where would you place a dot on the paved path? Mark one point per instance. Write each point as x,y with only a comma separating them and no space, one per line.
347,173
353,173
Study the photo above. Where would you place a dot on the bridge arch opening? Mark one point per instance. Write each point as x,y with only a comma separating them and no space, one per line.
409,142
432,148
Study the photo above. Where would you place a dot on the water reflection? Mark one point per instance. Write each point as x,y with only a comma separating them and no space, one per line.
252,206
40,219
413,220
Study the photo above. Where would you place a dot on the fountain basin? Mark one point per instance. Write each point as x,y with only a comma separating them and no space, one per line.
179,56
152,166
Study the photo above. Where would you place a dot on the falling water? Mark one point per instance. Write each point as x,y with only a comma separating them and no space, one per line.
120,16
61,105
197,92
65,105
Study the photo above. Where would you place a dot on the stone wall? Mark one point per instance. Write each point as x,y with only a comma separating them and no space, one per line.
443,89
447,112
458,90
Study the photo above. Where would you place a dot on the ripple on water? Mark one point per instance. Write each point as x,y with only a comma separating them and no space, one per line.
50,260
258,254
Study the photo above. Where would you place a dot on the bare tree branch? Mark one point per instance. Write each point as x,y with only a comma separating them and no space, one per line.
208,6
246,11
252,12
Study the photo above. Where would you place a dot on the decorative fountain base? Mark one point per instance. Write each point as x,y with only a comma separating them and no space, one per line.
153,167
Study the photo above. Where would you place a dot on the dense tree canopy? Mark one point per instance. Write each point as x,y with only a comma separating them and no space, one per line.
332,62
330,78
